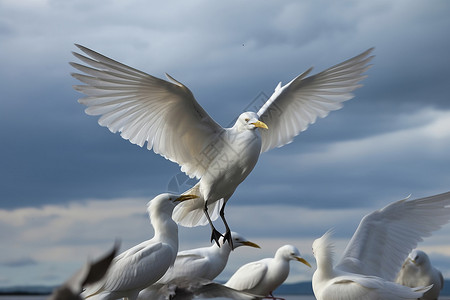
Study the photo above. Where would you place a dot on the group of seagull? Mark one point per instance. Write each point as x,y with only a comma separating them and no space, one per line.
166,116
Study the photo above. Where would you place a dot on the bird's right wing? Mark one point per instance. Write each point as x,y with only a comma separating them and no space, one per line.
385,237
144,109
248,276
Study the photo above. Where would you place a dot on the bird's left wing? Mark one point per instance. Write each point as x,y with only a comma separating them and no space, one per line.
385,237
248,276
90,273
147,109
292,107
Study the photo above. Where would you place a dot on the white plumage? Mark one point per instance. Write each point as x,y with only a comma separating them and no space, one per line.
262,277
166,116
196,264
418,271
143,264
377,250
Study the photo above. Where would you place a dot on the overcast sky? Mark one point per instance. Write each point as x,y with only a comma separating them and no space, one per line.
69,187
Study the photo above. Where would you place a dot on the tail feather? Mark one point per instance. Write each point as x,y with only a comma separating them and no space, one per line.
190,213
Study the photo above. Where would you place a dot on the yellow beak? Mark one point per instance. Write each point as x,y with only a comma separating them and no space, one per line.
250,244
186,197
260,124
302,260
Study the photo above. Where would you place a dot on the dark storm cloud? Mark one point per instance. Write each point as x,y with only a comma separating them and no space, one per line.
52,152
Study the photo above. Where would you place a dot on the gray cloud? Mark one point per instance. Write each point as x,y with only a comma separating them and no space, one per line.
21,262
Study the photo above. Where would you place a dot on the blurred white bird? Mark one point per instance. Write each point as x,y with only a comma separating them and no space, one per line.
262,277
167,116
187,288
90,273
199,263
418,271
143,264
377,250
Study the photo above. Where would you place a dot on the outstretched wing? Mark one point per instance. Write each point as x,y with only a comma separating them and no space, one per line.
292,107
144,108
385,237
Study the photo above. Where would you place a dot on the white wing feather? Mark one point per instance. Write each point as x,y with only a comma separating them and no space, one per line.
248,276
384,238
146,109
136,263
358,287
294,106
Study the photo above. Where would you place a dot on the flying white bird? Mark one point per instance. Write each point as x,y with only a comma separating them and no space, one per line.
418,271
262,277
90,273
374,255
200,263
143,264
166,116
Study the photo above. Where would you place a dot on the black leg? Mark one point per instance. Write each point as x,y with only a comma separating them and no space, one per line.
215,235
227,236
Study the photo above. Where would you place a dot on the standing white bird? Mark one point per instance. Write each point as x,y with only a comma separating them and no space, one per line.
167,116
205,263
418,271
138,267
262,277
377,250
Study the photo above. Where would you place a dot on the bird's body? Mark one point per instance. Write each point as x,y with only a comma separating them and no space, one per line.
200,263
375,253
417,270
145,263
166,116
264,276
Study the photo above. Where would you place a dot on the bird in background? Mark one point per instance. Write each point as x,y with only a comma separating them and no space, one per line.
198,264
166,116
375,253
187,288
142,265
262,277
418,271
90,273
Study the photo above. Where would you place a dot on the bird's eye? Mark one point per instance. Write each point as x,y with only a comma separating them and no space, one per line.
247,119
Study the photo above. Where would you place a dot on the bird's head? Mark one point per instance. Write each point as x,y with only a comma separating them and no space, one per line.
290,252
322,248
239,240
249,121
418,257
167,201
